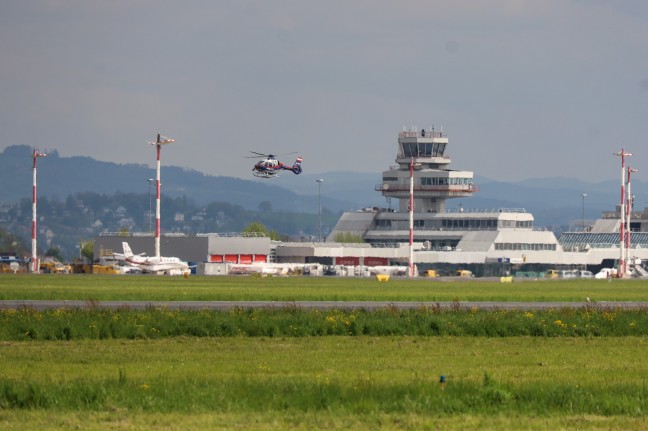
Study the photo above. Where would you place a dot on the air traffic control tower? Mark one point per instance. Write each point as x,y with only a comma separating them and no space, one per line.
437,227
433,181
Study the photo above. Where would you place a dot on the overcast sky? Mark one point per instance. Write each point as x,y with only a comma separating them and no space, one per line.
523,89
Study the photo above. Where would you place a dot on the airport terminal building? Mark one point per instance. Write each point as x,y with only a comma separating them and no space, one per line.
486,241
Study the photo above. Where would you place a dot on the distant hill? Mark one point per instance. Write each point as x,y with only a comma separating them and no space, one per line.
59,177
553,201
354,187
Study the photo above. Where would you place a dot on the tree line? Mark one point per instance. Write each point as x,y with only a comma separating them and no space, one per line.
66,224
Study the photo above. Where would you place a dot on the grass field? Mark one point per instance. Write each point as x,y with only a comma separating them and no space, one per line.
340,382
217,288
298,369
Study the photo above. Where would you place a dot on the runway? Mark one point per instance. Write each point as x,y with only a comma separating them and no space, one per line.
42,305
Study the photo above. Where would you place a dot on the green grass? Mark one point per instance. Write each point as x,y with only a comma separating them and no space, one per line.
365,383
305,369
96,323
219,288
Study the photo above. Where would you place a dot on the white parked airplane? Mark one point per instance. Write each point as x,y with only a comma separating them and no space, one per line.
156,265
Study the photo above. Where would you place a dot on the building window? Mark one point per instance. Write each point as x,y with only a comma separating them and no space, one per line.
383,223
524,246
410,150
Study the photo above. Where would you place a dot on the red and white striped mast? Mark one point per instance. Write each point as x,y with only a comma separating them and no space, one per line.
622,263
628,213
161,140
34,257
411,220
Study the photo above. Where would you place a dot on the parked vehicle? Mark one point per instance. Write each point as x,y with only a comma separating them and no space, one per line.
585,274
568,273
464,273
575,273
53,266
551,273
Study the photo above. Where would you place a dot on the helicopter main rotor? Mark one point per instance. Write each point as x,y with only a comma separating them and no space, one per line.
270,156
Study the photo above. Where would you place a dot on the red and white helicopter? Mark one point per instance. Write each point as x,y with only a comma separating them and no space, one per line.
270,166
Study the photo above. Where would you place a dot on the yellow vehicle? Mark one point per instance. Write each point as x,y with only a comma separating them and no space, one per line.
53,266
105,269
82,268
464,273
432,273
551,273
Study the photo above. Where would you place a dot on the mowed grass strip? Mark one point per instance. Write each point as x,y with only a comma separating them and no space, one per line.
249,288
393,376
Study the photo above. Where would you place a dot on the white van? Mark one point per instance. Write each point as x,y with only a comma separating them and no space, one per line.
585,274
568,273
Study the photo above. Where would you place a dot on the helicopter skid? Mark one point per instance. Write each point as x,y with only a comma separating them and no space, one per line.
264,174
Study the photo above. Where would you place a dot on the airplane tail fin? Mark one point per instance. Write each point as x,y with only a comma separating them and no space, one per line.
127,250
296,168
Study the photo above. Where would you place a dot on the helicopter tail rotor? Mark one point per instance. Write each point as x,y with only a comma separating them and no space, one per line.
296,168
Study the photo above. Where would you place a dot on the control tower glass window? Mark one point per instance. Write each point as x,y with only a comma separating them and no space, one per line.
410,149
438,149
422,149
428,150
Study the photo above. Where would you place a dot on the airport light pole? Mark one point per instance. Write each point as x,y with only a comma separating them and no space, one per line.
630,203
150,213
411,220
583,195
622,265
35,267
319,206
161,140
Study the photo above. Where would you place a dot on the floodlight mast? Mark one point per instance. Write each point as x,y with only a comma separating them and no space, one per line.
161,140
150,213
629,202
411,220
583,195
622,239
319,206
35,267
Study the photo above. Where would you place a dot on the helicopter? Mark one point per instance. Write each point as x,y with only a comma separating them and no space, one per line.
270,166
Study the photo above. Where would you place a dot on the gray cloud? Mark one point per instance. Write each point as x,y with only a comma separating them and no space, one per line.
518,85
